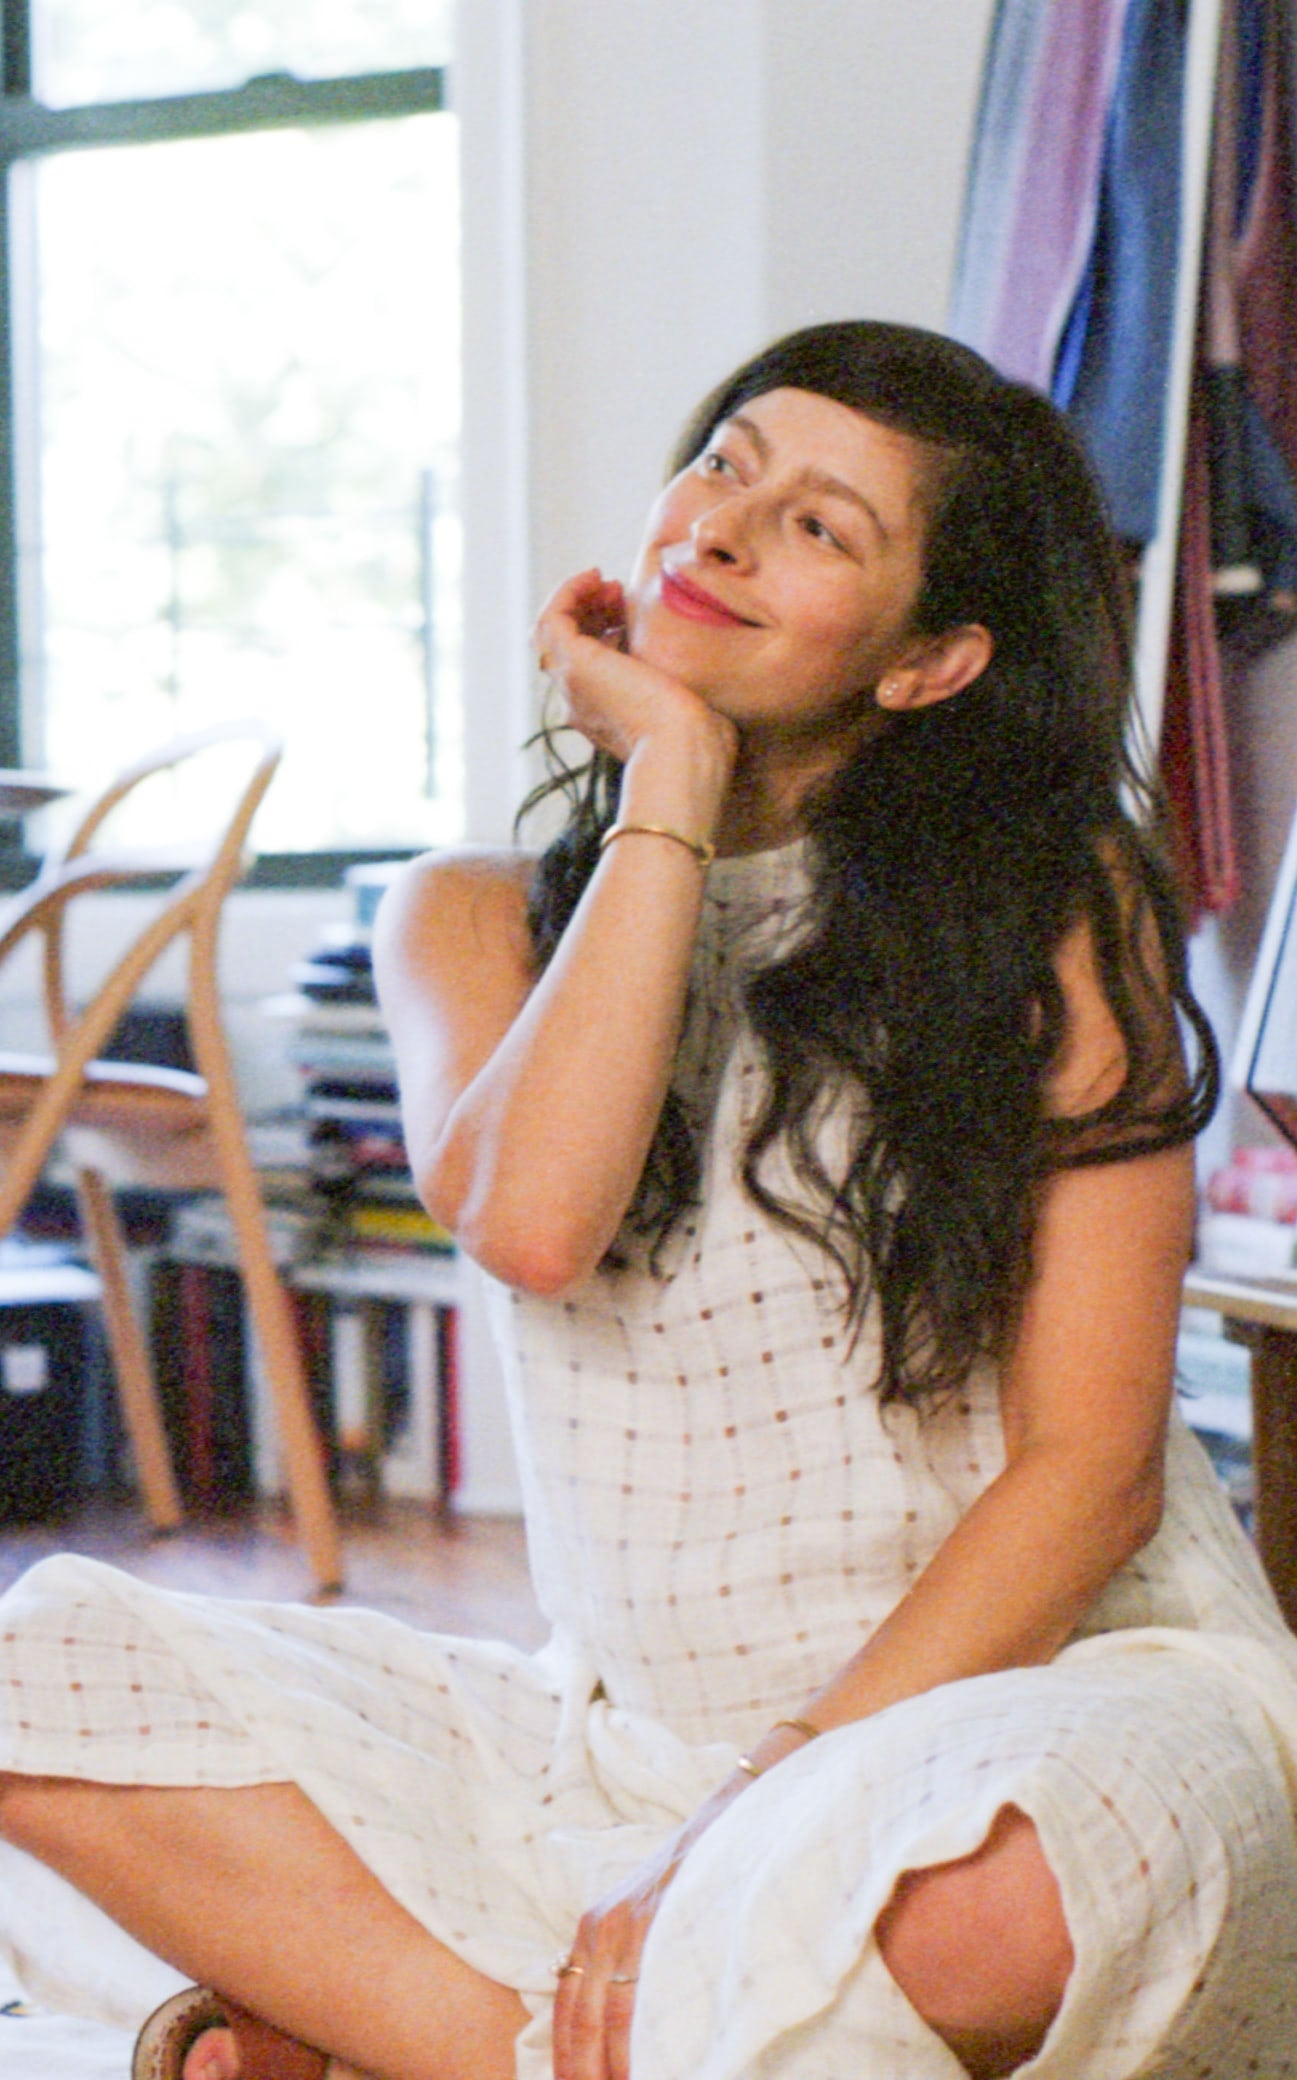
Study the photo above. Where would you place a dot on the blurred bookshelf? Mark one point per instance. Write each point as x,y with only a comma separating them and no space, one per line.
374,1281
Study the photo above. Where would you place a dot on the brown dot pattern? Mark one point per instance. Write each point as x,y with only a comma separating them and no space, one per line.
720,1515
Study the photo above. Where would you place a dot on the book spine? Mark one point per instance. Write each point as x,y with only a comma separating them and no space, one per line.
312,1312
199,1474
412,1458
199,1362
448,1369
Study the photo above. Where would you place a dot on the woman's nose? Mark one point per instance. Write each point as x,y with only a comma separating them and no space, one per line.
724,533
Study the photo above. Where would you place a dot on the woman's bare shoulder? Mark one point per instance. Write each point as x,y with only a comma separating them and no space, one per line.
468,888
450,912
458,870
1095,1056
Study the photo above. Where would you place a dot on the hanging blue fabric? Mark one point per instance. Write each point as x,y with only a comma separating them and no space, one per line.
1114,360
997,168
1032,195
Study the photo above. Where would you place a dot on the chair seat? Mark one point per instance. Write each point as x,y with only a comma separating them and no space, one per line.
119,1125
115,1095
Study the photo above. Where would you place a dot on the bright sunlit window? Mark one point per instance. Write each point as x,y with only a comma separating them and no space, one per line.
234,269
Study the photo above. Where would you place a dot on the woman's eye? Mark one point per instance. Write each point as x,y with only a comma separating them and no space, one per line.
817,528
715,464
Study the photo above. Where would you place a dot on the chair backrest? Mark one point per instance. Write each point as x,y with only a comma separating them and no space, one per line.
202,873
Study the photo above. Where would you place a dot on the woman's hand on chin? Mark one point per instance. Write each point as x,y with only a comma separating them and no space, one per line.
615,700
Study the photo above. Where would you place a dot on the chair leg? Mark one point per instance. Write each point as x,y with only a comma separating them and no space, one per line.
281,1355
268,1303
137,1392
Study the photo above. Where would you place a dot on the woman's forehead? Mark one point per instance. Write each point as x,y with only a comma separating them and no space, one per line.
802,428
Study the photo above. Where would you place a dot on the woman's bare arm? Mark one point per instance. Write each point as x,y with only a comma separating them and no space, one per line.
1085,1396
530,1102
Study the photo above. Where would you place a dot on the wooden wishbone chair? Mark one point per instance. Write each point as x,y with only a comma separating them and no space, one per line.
123,1123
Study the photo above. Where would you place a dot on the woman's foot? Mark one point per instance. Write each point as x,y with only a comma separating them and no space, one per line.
214,2056
197,2035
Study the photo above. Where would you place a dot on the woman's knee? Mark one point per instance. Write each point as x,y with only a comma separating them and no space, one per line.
981,1947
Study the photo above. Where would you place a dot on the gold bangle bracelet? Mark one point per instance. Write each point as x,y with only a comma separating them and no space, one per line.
802,1726
748,1766
702,851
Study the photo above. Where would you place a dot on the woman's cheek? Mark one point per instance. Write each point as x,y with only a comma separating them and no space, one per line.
644,631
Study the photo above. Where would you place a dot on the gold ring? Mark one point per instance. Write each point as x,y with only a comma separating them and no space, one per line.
624,1979
564,1968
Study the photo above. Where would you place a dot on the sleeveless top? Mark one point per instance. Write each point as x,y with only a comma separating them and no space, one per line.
719,1511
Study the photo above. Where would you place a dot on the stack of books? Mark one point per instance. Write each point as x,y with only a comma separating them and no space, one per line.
355,1158
372,1279
1213,1377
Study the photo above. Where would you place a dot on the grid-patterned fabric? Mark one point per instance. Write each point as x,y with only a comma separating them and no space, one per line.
719,1515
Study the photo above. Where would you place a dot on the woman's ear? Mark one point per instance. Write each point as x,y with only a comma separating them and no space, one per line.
938,669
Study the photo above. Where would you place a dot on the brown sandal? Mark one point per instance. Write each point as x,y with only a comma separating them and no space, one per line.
265,2053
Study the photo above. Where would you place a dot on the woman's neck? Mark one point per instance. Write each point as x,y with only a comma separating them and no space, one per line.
756,823
771,787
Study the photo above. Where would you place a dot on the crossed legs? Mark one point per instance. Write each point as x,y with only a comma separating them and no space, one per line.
253,1892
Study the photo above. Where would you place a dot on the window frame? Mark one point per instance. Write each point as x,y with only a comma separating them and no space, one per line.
30,130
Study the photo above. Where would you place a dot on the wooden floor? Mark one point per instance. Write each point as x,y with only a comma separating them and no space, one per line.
465,1575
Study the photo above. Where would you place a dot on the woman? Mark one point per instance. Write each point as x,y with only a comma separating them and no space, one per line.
914,1704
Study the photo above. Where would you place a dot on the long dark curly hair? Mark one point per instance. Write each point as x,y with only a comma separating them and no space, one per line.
950,859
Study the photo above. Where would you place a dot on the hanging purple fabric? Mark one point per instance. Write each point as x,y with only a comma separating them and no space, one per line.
1034,190
997,169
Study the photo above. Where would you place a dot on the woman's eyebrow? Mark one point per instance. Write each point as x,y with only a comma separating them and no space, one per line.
835,487
815,479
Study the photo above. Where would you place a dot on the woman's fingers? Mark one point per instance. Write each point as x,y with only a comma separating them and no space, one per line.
592,2024
619,2008
578,2024
595,2002
579,639
616,699
589,607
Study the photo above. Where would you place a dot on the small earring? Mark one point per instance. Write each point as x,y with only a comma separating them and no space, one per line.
888,692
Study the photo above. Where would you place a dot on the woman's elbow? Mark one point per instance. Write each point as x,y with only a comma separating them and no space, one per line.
530,1260
525,1246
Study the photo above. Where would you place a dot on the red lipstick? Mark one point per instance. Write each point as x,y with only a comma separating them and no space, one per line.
690,601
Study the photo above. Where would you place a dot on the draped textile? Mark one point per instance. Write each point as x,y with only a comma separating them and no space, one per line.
1075,293
1065,272
1035,178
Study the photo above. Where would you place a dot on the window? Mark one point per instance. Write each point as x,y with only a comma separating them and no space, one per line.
229,401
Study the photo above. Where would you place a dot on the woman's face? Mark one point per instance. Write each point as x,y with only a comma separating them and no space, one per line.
779,571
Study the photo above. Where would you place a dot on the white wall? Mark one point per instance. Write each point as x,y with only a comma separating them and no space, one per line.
704,175
868,121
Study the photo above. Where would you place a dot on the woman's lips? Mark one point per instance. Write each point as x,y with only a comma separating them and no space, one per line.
689,600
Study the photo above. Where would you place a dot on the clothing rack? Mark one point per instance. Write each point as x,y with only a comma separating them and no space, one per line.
1158,567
